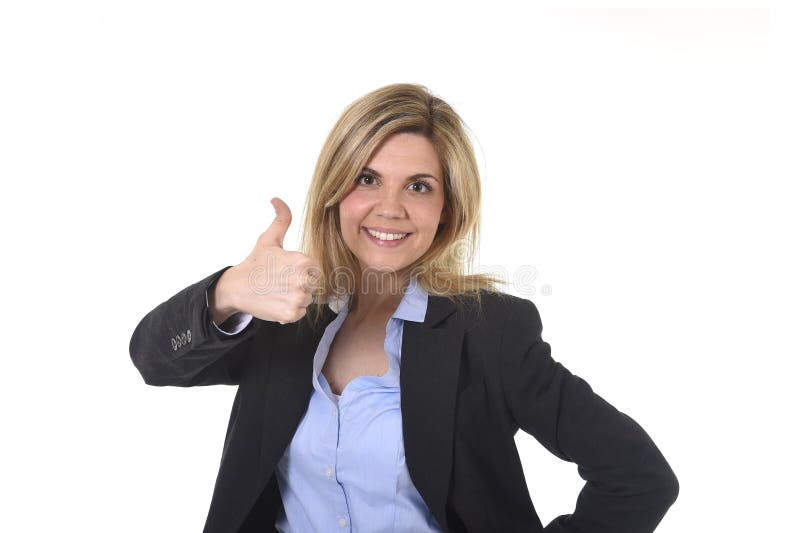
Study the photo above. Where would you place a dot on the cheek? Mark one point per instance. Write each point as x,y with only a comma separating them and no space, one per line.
352,210
428,218
347,207
354,203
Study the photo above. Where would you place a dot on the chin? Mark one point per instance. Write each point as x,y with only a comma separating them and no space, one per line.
391,266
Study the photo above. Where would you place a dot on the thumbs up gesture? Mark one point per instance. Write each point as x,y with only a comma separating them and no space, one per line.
271,283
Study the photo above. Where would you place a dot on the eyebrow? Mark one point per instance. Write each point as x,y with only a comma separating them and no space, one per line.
410,178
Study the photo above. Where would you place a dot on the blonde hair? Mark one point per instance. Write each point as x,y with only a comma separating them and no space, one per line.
398,108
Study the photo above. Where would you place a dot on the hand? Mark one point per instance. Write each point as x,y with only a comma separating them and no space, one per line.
271,283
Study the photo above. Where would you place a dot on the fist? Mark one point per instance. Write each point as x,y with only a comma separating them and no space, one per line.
272,283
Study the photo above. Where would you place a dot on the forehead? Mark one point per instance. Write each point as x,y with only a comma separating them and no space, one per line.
407,151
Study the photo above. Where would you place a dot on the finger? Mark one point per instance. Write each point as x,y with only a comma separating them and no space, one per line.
274,234
307,300
310,279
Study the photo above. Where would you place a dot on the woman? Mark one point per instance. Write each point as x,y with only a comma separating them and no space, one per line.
320,437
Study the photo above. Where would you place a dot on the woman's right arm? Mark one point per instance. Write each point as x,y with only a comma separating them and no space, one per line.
178,344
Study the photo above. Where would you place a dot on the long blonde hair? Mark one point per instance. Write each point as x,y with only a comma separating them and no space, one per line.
398,108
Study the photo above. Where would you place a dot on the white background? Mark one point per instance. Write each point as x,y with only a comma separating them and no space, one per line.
641,160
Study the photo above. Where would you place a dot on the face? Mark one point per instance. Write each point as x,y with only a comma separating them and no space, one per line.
399,196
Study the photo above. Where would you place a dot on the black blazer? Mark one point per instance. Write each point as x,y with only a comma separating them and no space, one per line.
470,378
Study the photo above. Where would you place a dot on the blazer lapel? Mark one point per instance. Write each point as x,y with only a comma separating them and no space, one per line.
289,387
429,367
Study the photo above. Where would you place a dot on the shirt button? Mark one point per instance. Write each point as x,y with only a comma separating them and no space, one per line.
328,472
342,522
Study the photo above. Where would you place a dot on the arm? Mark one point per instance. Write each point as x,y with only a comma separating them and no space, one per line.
232,325
177,343
629,485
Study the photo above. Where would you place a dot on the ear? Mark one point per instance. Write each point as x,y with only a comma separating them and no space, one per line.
444,216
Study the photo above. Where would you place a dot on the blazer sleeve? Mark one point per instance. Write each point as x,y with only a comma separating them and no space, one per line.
629,485
177,343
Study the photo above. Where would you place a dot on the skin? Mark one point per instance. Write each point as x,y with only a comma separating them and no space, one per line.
393,201
388,199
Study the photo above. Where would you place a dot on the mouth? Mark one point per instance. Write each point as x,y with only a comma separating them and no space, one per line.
384,238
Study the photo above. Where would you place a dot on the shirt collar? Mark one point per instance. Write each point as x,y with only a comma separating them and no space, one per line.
412,307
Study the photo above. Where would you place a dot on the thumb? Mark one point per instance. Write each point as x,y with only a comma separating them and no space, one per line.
275,233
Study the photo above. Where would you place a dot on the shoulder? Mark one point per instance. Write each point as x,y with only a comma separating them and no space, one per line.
498,310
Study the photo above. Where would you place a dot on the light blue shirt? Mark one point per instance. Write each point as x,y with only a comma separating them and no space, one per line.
345,469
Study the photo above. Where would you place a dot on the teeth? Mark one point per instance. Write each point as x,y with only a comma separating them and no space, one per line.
386,236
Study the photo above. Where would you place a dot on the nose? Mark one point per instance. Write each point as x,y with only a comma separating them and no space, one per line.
389,205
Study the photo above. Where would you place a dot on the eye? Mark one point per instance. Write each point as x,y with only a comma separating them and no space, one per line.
362,177
425,187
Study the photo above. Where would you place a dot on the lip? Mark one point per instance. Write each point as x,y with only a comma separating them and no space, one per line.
386,244
381,229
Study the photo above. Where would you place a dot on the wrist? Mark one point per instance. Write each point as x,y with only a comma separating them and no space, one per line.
221,302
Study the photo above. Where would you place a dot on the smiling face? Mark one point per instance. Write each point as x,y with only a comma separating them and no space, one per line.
399,195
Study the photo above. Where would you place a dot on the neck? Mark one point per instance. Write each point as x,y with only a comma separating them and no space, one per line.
378,294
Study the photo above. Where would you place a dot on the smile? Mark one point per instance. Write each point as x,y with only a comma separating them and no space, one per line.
385,239
386,236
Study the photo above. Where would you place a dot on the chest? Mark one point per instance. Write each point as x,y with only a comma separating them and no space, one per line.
356,351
